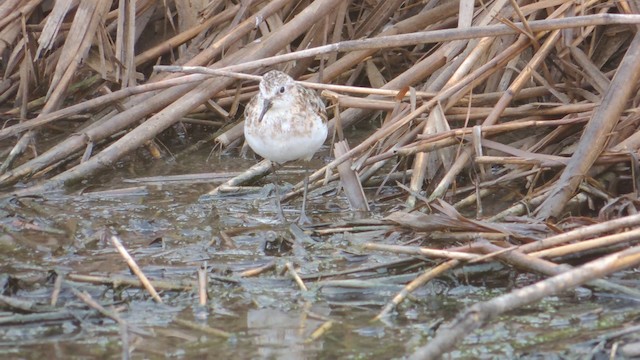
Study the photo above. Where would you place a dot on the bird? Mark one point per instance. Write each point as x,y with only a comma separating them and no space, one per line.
285,121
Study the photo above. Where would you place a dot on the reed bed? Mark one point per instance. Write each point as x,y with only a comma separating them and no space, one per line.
531,105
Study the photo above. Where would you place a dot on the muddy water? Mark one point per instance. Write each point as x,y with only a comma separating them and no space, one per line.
171,230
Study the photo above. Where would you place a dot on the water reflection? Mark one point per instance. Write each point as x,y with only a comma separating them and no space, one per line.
280,335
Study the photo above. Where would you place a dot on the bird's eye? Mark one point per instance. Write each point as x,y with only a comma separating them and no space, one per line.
282,90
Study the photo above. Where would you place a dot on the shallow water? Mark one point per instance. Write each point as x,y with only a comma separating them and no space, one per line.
171,229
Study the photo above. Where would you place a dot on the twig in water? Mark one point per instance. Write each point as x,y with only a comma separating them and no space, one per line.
295,276
135,268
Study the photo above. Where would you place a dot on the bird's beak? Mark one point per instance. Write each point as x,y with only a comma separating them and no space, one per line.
266,105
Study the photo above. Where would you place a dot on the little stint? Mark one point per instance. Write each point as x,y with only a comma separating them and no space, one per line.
285,121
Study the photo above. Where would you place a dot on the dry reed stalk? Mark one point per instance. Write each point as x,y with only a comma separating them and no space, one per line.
436,121
91,104
259,270
415,250
429,141
627,237
420,280
184,36
135,268
116,281
10,23
351,59
87,299
401,121
170,114
595,136
516,86
350,182
202,284
260,169
390,41
529,262
294,274
66,148
321,330
583,233
535,74
481,313
508,255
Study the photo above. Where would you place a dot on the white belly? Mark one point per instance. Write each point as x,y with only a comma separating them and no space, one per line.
283,137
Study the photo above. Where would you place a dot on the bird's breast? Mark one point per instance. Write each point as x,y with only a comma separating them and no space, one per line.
284,136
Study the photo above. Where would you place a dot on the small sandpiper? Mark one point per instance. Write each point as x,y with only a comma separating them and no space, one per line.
283,122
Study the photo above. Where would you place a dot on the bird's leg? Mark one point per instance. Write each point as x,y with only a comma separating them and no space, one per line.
281,216
303,218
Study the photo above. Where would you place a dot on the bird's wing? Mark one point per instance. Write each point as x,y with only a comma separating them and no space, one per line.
251,110
315,103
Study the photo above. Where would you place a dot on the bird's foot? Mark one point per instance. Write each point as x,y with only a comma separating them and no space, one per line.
279,213
303,219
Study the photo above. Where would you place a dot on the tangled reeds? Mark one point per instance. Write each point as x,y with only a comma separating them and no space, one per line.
534,100
540,72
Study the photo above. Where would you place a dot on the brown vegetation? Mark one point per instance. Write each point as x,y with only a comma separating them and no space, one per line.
534,100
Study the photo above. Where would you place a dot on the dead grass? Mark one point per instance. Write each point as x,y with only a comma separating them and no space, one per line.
540,98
